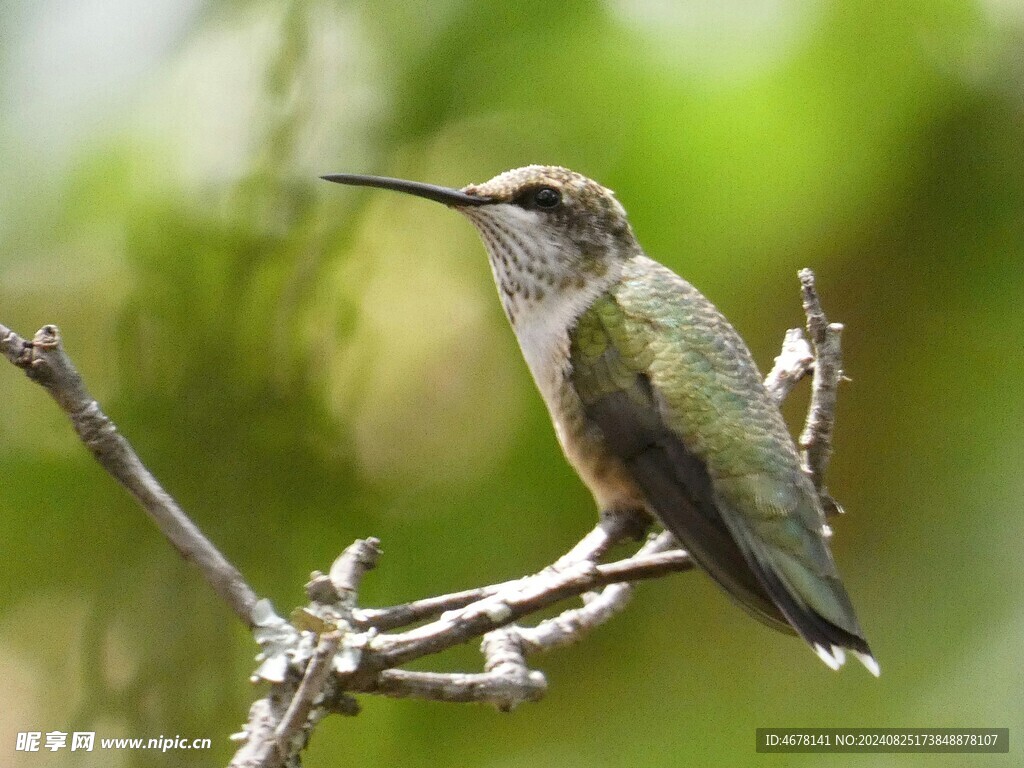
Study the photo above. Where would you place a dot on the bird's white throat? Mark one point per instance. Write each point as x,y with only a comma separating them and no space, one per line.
541,288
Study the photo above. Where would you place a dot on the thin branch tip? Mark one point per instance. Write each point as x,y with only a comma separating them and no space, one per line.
45,362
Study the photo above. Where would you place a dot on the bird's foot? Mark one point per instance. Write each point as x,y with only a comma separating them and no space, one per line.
620,524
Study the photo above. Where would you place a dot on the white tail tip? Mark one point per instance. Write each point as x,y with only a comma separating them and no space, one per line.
832,661
869,663
839,654
835,657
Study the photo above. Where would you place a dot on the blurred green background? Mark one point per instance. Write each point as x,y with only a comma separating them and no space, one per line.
302,364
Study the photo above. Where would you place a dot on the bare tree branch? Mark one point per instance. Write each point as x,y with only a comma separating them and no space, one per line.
458,687
341,585
816,438
43,360
529,595
295,723
658,554
639,567
794,362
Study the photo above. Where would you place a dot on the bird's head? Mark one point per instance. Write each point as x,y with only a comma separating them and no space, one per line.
548,230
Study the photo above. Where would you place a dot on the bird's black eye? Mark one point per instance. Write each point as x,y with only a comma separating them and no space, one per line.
547,197
543,197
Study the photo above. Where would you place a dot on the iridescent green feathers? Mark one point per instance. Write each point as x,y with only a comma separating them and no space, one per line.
677,397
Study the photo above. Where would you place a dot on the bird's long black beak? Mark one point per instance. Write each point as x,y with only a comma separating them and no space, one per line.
445,195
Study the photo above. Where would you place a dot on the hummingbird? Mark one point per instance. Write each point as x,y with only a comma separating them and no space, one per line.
656,401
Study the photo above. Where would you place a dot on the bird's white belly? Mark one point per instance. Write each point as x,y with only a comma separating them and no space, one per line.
546,348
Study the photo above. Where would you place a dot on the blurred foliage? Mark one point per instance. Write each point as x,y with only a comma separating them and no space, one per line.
302,365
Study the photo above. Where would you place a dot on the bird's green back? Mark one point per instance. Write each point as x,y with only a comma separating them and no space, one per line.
680,399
